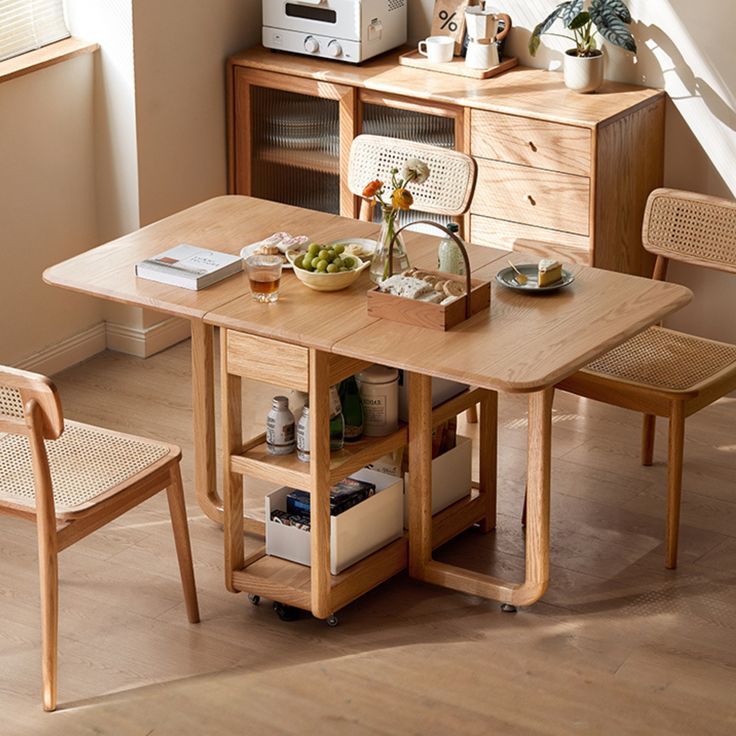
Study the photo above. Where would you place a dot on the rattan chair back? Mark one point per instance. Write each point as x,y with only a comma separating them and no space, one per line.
17,388
447,191
690,227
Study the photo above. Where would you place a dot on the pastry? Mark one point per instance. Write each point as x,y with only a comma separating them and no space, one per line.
454,288
550,271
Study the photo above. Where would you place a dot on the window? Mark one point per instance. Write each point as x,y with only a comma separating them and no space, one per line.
29,24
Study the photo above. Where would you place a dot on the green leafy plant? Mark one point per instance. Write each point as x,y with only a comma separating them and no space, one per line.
607,18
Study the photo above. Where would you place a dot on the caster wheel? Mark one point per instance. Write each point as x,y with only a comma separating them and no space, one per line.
332,621
508,608
286,612
254,599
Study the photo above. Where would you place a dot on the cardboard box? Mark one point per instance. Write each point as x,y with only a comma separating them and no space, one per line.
451,477
442,390
354,534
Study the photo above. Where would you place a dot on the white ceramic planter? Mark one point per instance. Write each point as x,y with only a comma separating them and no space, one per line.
583,73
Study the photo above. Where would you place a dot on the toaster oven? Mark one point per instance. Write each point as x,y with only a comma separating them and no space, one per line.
347,30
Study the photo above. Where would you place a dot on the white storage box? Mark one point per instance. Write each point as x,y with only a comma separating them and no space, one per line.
354,534
451,477
442,390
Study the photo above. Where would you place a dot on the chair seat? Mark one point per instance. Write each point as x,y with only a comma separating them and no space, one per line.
87,465
666,360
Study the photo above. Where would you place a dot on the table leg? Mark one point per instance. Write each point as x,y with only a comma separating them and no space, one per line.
488,458
203,405
421,564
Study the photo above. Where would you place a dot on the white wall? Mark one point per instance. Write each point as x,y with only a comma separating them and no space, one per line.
47,204
687,49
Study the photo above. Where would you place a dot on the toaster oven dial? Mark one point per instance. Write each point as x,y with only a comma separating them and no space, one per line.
334,49
311,44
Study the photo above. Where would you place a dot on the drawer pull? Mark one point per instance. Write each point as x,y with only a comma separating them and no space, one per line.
532,146
531,199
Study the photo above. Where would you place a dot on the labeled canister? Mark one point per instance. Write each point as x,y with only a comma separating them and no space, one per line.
379,393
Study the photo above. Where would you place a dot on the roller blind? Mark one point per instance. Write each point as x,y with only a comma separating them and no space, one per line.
29,24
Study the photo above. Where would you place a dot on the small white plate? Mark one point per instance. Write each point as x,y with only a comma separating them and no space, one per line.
249,250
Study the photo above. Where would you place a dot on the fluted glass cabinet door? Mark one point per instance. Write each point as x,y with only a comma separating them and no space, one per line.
295,149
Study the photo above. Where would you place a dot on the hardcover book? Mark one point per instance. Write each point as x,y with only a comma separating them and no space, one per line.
189,267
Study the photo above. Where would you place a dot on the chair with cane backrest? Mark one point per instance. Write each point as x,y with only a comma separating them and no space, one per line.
71,479
447,191
662,372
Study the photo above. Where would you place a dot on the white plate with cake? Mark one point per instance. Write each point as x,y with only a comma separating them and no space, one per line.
274,245
535,278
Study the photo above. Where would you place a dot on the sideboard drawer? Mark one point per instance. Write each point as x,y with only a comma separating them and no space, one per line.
532,196
538,241
529,142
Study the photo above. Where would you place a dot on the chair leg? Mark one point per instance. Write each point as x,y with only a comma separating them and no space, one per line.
48,565
178,511
674,481
648,426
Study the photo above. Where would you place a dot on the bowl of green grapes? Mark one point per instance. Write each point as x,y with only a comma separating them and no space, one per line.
325,267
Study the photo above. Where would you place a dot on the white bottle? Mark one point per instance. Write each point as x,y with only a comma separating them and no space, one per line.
379,393
449,257
302,435
280,428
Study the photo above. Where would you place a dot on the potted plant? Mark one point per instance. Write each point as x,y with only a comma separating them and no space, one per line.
584,63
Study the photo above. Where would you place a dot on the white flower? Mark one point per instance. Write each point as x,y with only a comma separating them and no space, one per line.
416,170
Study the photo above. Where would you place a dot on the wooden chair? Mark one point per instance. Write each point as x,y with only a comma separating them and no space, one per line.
662,372
71,479
447,191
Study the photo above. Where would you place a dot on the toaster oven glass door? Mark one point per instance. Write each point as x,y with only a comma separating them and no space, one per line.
323,15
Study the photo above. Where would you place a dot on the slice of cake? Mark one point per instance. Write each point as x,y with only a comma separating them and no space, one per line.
550,271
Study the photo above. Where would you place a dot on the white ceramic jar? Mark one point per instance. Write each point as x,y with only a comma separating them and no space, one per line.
379,393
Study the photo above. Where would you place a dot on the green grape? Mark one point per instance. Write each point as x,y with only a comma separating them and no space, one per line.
338,261
306,261
299,261
324,255
339,249
349,261
332,268
331,254
321,265
313,249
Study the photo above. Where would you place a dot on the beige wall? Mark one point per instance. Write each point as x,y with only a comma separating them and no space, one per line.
689,53
47,203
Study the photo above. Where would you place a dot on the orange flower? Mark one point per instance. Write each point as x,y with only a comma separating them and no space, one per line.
402,199
372,188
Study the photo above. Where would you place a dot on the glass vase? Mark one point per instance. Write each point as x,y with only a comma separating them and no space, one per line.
379,263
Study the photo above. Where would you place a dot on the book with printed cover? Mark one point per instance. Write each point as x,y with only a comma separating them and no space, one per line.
189,267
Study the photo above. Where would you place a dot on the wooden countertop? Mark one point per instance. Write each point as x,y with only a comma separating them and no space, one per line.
521,91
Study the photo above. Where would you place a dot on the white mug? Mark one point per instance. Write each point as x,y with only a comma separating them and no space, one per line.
438,49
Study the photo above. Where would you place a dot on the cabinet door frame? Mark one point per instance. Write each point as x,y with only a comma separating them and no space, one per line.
458,114
240,83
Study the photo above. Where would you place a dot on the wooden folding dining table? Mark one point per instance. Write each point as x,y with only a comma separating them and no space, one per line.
523,344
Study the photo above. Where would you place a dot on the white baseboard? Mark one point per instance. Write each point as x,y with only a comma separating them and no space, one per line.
146,341
66,353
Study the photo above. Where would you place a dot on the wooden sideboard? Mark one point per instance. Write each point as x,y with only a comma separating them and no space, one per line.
559,173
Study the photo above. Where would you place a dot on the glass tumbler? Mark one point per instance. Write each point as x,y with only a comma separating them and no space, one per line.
264,274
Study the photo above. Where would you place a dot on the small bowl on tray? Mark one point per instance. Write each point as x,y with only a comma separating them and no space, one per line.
322,281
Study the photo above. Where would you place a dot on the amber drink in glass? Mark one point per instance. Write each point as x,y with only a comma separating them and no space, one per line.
264,274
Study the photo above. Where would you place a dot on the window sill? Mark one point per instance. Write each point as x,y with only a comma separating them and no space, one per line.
43,57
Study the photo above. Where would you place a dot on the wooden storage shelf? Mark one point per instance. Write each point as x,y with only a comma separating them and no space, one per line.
290,471
325,163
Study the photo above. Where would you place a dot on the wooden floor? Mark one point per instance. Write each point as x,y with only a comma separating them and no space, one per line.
618,645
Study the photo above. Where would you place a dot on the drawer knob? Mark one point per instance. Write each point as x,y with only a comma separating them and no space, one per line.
532,146
531,199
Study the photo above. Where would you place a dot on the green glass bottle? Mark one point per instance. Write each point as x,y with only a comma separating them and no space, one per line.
337,422
352,409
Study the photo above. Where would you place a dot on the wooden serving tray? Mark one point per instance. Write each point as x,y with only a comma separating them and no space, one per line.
424,314
456,66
